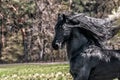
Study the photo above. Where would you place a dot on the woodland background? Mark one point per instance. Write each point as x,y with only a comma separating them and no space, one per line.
27,27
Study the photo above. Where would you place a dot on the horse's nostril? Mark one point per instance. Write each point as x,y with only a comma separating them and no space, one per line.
55,46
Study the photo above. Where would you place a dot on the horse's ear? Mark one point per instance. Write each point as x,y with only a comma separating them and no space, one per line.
62,17
59,14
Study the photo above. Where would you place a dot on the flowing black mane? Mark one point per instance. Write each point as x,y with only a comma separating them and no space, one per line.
102,29
98,30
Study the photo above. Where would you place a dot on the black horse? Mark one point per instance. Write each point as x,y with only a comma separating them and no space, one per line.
88,58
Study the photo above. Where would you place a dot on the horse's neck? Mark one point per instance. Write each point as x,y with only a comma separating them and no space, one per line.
77,42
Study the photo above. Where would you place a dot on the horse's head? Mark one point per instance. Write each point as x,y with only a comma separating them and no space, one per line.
64,28
62,32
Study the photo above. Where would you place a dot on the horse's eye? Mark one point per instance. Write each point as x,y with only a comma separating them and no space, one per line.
64,26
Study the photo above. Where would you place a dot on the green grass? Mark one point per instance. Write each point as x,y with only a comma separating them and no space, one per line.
35,72
32,69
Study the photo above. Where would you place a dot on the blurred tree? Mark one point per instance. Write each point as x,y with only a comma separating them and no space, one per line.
16,16
27,26
96,8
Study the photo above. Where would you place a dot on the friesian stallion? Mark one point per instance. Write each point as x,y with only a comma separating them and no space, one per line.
84,38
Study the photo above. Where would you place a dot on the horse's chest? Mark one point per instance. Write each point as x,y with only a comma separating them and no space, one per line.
77,63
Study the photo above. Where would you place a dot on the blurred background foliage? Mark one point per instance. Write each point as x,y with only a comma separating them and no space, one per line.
27,27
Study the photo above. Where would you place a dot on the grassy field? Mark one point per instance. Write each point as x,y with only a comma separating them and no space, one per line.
35,72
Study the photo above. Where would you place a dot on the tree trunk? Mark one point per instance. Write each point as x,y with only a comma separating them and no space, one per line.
0,42
25,50
70,3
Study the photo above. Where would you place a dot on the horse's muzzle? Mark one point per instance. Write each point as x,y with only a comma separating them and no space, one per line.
56,45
